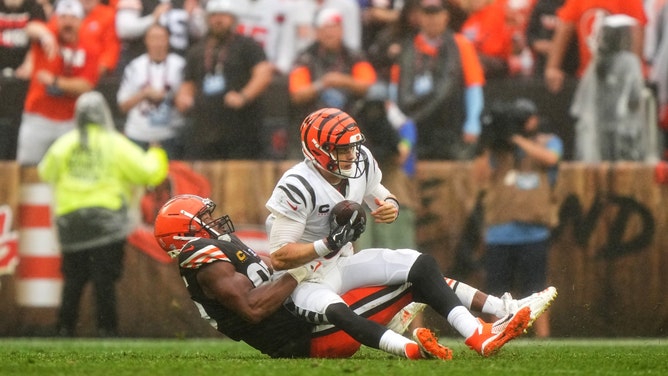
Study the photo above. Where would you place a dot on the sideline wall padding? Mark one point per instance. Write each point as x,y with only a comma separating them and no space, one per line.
609,258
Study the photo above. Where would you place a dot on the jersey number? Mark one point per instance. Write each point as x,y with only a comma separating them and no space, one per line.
257,273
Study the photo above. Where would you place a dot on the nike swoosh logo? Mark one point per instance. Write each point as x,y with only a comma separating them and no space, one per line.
319,264
508,318
293,207
189,248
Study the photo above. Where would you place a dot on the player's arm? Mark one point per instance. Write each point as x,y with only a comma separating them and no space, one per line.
385,208
286,252
220,281
284,248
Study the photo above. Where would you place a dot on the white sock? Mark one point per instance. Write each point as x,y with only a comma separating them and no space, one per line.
494,306
463,321
394,343
465,293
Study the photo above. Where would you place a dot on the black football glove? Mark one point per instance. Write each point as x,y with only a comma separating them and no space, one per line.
342,235
359,228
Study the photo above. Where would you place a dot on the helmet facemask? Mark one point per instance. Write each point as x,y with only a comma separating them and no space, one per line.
217,227
346,161
201,225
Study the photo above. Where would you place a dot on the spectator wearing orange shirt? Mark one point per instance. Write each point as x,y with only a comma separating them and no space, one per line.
585,17
64,67
98,28
99,25
440,86
328,73
487,29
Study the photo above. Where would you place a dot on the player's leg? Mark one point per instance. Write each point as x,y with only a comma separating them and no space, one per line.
479,301
424,346
430,287
316,302
384,266
377,303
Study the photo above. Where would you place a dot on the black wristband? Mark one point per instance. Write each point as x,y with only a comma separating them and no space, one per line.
395,201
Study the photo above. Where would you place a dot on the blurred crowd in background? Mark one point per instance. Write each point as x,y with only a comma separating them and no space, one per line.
220,79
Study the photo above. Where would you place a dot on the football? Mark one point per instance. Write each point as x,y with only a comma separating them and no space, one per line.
344,211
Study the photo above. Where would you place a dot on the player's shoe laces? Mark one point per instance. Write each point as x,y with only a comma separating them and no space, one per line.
538,302
403,318
429,346
490,337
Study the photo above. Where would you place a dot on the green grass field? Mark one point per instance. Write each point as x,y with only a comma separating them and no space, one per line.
224,357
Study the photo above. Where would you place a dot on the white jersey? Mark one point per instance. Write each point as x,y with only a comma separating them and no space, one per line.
134,17
146,121
297,31
352,18
266,21
303,195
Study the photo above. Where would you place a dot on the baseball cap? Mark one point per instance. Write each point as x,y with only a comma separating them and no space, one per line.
619,20
69,8
222,6
328,16
432,6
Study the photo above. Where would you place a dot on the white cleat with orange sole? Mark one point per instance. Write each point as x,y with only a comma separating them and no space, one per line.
538,302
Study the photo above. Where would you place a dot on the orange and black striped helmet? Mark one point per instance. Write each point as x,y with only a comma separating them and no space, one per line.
329,134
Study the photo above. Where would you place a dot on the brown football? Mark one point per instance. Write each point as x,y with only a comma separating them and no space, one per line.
344,211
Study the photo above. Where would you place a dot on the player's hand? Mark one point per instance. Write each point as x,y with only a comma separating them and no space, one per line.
387,211
301,273
358,229
342,235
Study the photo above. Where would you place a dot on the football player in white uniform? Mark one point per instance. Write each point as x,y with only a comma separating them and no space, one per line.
337,167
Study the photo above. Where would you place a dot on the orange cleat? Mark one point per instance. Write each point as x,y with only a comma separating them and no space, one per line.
429,347
490,337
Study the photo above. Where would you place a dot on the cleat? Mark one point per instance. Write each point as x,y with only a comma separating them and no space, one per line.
538,302
429,346
490,337
403,318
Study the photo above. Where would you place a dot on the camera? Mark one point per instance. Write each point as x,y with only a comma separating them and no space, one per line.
504,119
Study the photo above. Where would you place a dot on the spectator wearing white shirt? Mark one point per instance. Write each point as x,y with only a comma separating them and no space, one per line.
146,94
185,20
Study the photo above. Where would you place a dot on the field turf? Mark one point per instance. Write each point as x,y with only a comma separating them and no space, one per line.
40,356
